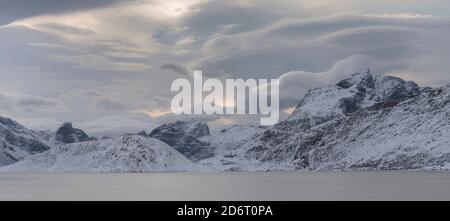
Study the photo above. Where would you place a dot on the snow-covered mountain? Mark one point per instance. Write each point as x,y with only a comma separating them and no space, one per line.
350,95
184,137
364,122
129,153
18,142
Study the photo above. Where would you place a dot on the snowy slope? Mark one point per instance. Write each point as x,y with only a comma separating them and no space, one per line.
414,134
18,142
130,153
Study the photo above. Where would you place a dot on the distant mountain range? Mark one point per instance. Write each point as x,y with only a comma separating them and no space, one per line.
366,122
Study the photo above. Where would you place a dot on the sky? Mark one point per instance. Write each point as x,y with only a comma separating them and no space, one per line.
107,65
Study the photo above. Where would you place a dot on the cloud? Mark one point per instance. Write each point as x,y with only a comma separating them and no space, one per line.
108,37
176,68
29,105
5,103
315,44
9,10
295,84
54,46
185,41
95,104
101,63
208,16
32,102
40,124
116,125
108,104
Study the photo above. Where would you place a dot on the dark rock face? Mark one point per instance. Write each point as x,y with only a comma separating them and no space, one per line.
179,128
67,134
193,148
396,89
183,136
17,142
361,80
142,133
169,133
197,129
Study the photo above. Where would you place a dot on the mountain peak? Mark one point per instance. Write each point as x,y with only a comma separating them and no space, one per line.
362,79
67,125
68,134
142,133
9,122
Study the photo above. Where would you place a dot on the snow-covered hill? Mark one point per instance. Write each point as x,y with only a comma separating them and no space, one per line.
129,153
365,122
18,142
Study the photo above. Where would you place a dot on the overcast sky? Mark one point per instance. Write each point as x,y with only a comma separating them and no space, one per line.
107,65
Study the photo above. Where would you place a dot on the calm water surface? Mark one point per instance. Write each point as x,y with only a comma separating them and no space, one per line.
227,186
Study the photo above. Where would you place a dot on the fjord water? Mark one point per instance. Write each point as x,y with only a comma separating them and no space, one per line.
227,186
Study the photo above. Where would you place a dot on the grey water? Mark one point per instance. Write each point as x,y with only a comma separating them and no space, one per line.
227,186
